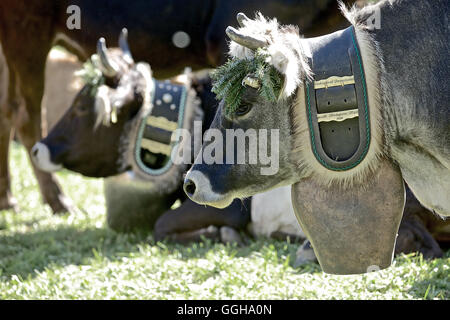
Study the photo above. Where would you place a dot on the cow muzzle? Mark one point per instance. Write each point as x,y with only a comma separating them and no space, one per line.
353,230
40,154
198,188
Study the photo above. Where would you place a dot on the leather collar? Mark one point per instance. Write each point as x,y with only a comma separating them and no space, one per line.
336,101
154,143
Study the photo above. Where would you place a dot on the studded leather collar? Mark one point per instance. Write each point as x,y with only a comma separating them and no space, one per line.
336,101
154,142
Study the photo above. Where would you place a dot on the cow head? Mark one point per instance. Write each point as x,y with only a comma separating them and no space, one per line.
89,137
258,87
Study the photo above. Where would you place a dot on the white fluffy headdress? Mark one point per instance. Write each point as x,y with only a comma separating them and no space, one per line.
283,45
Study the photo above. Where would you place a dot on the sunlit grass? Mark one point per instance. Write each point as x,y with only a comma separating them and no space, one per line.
76,256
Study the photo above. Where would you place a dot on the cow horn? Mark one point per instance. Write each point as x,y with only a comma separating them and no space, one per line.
246,41
123,44
241,18
109,68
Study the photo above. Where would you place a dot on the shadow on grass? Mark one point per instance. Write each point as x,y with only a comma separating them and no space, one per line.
24,254
275,251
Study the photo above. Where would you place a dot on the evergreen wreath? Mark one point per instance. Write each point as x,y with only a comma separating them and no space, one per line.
228,79
91,76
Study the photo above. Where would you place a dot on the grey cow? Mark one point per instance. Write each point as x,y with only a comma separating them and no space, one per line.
350,213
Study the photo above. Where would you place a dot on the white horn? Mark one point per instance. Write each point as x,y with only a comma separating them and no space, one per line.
109,68
241,19
252,43
123,44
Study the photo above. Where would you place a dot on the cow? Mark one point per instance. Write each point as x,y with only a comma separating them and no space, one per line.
351,210
83,144
28,30
74,144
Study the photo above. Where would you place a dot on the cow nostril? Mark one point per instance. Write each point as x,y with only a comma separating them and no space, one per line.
35,151
189,187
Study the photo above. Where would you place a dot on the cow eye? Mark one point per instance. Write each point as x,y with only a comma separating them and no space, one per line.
243,109
82,109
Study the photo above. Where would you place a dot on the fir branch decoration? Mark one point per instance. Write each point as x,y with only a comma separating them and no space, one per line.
91,76
228,79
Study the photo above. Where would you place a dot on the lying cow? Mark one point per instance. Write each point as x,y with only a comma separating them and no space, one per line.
356,111
83,142
74,144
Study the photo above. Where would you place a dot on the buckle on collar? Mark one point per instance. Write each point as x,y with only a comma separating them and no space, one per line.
338,115
334,81
331,82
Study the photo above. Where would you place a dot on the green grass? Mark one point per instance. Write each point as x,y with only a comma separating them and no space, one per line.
77,257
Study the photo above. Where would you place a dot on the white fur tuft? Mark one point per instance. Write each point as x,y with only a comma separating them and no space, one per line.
102,106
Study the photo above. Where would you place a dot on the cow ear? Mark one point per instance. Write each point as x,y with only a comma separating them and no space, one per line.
288,64
102,106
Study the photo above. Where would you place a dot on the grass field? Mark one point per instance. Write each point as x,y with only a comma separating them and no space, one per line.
77,257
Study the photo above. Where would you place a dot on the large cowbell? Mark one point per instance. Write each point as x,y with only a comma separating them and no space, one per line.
156,141
352,227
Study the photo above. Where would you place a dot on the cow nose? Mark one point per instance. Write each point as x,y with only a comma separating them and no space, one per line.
197,186
189,187
35,151
41,157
